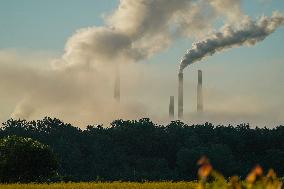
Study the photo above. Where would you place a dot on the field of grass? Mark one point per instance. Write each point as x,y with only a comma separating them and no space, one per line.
208,179
110,185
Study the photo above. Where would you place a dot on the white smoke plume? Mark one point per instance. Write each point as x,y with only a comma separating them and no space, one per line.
141,28
248,33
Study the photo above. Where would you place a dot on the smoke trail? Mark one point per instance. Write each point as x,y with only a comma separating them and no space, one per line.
139,29
249,33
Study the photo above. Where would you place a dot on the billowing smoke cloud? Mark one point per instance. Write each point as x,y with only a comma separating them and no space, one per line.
249,33
141,28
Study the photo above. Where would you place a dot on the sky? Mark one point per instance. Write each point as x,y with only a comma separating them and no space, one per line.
243,84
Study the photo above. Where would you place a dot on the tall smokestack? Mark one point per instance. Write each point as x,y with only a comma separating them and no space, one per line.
199,93
180,95
117,85
172,107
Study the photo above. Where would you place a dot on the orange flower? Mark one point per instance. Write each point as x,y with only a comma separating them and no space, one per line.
258,170
205,170
205,167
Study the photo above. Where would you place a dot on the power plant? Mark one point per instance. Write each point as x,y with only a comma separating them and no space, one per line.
172,107
172,98
199,93
180,95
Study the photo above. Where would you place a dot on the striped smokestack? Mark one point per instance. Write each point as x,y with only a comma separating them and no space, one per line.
199,93
172,107
180,95
117,85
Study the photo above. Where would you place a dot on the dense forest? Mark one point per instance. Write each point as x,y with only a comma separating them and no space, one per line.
137,150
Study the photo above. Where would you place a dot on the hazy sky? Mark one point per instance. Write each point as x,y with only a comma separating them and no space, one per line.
240,85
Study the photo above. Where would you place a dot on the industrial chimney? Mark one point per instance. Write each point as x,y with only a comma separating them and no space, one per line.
117,85
199,92
172,107
180,95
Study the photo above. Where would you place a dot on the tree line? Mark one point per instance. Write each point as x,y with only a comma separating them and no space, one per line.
137,150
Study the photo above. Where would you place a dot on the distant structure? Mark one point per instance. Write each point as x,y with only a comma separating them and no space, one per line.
117,85
199,93
172,107
180,95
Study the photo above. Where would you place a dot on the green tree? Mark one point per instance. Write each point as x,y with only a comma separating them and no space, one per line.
25,160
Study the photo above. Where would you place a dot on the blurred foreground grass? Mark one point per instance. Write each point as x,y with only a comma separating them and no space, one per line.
208,179
112,185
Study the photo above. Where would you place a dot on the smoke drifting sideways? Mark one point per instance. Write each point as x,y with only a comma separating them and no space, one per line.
139,29
248,33
78,87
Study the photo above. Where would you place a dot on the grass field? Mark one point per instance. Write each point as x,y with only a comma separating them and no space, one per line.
112,185
209,179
